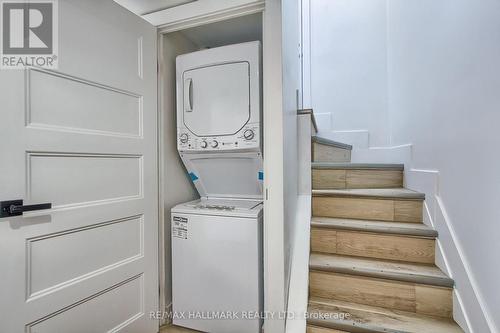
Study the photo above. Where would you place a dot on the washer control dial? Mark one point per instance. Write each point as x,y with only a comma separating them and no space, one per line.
248,134
184,137
204,144
215,144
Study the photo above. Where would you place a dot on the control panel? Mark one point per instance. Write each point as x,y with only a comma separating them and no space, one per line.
247,138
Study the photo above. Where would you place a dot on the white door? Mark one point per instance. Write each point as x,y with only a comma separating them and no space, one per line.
217,99
84,139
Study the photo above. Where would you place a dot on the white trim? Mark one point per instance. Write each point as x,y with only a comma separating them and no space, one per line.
274,252
202,12
299,277
395,154
459,314
161,187
470,279
356,138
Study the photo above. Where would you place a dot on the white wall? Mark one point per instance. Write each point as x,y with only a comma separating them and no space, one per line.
299,265
291,83
444,85
176,187
348,67
281,81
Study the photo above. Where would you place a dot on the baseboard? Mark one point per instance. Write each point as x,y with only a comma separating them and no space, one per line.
323,120
356,138
472,316
394,154
299,274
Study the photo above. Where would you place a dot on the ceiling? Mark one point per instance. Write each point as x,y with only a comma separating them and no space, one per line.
237,30
142,7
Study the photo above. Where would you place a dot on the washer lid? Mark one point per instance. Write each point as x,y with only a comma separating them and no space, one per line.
221,207
225,175
224,204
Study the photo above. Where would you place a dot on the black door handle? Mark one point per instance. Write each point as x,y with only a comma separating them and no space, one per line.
16,207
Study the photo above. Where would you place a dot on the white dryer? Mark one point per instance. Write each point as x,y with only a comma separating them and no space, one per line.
219,99
219,132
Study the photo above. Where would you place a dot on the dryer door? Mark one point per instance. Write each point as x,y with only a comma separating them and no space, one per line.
216,99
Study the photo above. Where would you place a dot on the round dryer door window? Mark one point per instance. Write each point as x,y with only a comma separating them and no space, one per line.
217,99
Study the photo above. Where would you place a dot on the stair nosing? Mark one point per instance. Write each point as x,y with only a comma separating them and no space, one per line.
371,193
436,281
344,327
393,228
332,143
356,166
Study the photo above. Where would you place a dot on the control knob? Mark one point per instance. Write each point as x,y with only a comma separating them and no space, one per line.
204,144
214,144
248,134
183,137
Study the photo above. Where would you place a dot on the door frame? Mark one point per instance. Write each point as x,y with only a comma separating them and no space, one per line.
274,275
202,12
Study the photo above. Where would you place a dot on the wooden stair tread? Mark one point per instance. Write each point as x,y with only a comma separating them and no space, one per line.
328,142
399,228
379,268
364,318
380,193
357,166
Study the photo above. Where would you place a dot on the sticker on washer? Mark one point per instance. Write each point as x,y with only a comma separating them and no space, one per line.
180,227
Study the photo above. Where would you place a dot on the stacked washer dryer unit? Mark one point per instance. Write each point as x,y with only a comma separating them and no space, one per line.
217,279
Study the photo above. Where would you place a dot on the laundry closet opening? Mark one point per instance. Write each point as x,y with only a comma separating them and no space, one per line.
231,135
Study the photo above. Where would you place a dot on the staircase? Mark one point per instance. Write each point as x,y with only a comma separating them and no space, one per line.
371,266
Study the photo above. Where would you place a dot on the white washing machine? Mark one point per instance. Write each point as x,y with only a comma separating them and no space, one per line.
217,245
217,283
